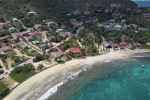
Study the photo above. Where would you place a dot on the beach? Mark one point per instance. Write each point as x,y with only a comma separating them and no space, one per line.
47,82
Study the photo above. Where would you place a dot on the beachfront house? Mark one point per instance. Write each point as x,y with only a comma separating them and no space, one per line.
108,45
74,52
123,45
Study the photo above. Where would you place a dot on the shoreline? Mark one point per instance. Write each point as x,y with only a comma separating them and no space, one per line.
47,82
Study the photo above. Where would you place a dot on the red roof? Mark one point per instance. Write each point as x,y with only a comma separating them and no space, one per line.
123,44
75,50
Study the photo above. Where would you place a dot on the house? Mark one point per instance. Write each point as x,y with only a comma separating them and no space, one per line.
115,5
117,27
34,34
27,35
74,52
5,49
4,25
59,30
91,20
115,46
107,45
32,13
123,45
6,44
56,53
143,29
147,16
75,23
18,24
12,29
86,12
37,27
67,34
76,12
51,26
4,38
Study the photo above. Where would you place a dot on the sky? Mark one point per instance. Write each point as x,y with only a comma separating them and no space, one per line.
143,4
141,0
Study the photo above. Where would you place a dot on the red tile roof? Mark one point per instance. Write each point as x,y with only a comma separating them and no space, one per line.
75,50
123,44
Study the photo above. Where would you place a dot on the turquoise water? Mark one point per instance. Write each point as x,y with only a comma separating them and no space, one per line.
131,82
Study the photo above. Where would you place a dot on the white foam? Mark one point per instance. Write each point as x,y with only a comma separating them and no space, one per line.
54,89
51,91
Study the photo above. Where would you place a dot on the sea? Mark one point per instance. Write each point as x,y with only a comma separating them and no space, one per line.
117,80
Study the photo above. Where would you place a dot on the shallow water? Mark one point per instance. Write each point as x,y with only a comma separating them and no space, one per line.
118,80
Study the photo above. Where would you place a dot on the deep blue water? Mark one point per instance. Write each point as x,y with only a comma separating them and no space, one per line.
131,82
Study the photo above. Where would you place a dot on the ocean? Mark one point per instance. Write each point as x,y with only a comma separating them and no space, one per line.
118,80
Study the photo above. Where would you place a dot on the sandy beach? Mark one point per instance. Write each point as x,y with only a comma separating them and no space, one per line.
46,83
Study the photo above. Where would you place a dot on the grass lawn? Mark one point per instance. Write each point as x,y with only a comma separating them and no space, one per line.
3,90
22,73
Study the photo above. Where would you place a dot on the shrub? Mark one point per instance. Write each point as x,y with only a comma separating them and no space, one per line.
22,73
3,90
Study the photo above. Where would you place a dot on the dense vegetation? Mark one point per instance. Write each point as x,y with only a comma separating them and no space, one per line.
22,73
3,90
16,8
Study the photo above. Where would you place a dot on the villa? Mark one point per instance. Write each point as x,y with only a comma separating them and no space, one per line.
74,52
123,45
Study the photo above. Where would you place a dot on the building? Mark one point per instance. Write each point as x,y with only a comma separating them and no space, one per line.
147,16
123,45
4,47
74,52
27,35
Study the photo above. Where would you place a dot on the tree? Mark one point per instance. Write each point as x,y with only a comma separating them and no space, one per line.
20,74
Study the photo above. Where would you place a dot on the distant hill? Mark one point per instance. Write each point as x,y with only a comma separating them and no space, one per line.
61,6
9,8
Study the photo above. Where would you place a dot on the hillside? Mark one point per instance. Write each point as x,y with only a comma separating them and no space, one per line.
9,8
